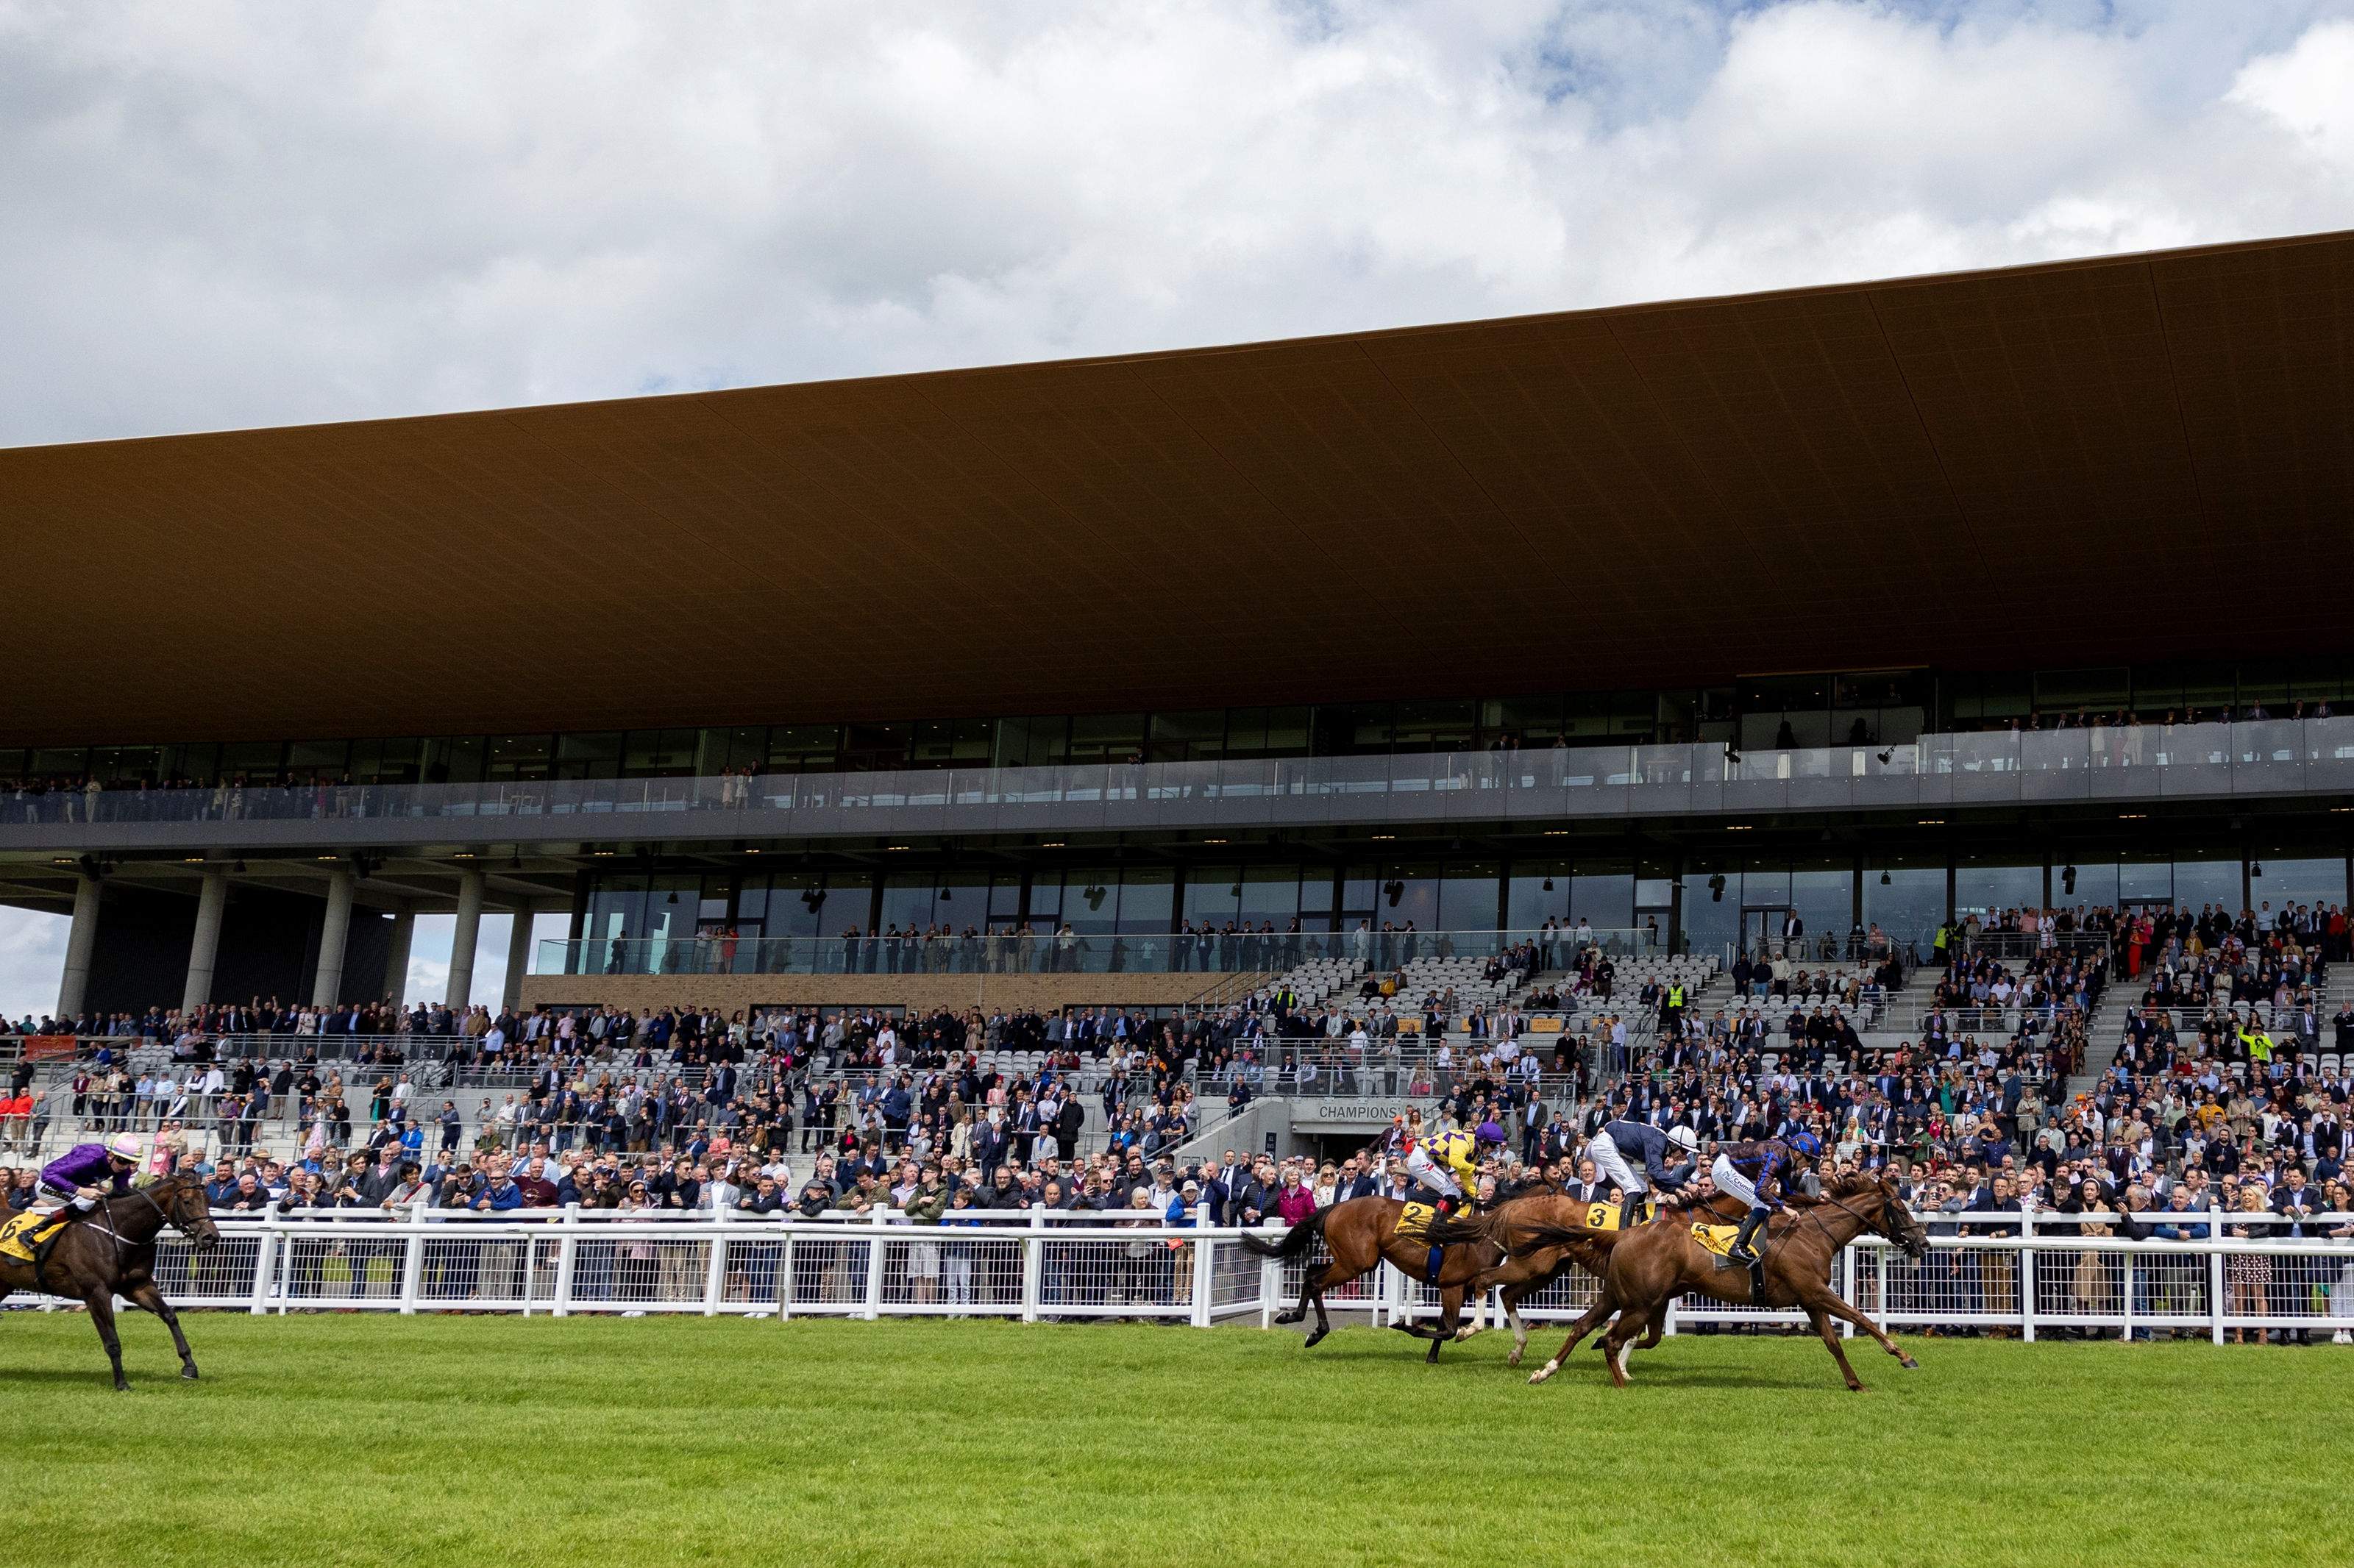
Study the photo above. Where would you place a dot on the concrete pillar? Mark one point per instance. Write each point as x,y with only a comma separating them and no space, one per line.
211,902
518,957
328,989
462,940
80,943
396,956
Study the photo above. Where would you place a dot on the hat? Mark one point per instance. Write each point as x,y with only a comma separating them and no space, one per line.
125,1147
1192,1187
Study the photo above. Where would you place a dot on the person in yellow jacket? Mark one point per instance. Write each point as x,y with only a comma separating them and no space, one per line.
1448,1163
2259,1047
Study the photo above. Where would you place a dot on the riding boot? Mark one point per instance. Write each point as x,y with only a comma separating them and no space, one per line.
1739,1252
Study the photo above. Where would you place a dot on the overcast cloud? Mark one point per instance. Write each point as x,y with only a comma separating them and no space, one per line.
227,215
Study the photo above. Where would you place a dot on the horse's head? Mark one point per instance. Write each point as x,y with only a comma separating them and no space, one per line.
182,1199
1897,1224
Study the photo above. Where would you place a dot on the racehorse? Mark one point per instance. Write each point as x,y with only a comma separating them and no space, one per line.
1521,1276
1360,1233
1649,1267
110,1252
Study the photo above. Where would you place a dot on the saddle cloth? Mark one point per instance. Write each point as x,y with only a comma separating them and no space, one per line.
18,1236
1717,1239
1414,1225
1602,1216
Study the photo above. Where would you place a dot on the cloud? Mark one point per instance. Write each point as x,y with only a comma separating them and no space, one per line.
32,961
225,216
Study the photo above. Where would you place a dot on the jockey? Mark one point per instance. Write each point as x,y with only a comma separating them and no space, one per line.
1620,1142
1756,1173
1448,1163
89,1172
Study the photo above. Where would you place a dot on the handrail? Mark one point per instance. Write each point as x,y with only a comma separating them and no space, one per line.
2266,758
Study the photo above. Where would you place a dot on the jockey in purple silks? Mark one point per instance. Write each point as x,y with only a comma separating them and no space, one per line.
89,1172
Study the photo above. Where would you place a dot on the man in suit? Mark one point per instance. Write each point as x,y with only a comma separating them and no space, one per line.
1068,1119
1589,1187
1356,1179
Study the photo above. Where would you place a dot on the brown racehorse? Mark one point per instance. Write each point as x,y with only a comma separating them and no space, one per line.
1360,1233
1649,1267
1498,1230
110,1252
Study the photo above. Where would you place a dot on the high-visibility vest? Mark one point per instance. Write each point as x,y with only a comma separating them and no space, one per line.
1675,996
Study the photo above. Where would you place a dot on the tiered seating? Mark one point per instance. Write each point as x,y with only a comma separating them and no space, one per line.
1321,978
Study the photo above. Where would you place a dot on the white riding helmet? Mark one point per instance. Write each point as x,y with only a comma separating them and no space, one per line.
1685,1138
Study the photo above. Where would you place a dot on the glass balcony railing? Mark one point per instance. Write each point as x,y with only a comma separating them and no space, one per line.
1379,952
2144,762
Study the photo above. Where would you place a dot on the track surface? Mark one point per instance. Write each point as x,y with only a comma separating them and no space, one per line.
363,1439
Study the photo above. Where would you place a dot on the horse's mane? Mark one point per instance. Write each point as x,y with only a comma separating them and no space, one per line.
1505,1194
1854,1184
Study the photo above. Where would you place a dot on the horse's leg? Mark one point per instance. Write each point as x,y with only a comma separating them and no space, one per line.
1323,1324
150,1295
1822,1322
1308,1279
1604,1305
1656,1330
1618,1341
1450,1312
1838,1308
101,1302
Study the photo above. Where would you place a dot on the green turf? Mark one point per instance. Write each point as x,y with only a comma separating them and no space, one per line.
365,1439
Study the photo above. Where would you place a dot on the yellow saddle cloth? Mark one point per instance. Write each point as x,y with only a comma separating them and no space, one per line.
1602,1216
17,1235
1414,1225
1717,1239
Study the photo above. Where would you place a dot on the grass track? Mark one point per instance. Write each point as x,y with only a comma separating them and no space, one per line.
369,1440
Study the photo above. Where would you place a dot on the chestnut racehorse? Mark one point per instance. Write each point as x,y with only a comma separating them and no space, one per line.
1648,1267
1362,1231
110,1252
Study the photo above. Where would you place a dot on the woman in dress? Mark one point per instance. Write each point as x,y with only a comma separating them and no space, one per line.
2249,1275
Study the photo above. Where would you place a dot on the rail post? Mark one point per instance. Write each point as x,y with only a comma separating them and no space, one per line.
412,1262
265,1256
2215,1281
565,1251
785,1270
1205,1265
715,1273
1270,1290
1033,1264
2027,1279
875,1266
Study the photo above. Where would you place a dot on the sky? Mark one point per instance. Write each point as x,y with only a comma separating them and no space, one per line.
227,215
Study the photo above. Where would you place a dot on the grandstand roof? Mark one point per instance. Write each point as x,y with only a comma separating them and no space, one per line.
2085,462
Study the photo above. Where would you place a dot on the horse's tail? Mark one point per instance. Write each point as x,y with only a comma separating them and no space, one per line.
1296,1240
1457,1230
1532,1239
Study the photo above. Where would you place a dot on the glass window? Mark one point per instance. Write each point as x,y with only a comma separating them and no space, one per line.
518,756
2204,881
1539,891
1105,737
254,758
1602,894
1823,893
311,758
1147,898
1091,900
876,747
1712,922
1435,726
595,754
1989,885
659,753
1469,897
1186,736
1047,899
1905,898
1408,893
2096,885
804,747
1214,893
1005,898
2289,880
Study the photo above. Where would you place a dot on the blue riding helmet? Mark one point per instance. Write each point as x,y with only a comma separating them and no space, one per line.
1489,1132
1805,1144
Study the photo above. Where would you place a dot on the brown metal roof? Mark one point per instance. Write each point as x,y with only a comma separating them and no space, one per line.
2088,462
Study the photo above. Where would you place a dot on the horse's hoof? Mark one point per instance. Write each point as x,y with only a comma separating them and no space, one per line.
1290,1317
1909,1364
1310,1343
188,1373
1514,1359
1543,1372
